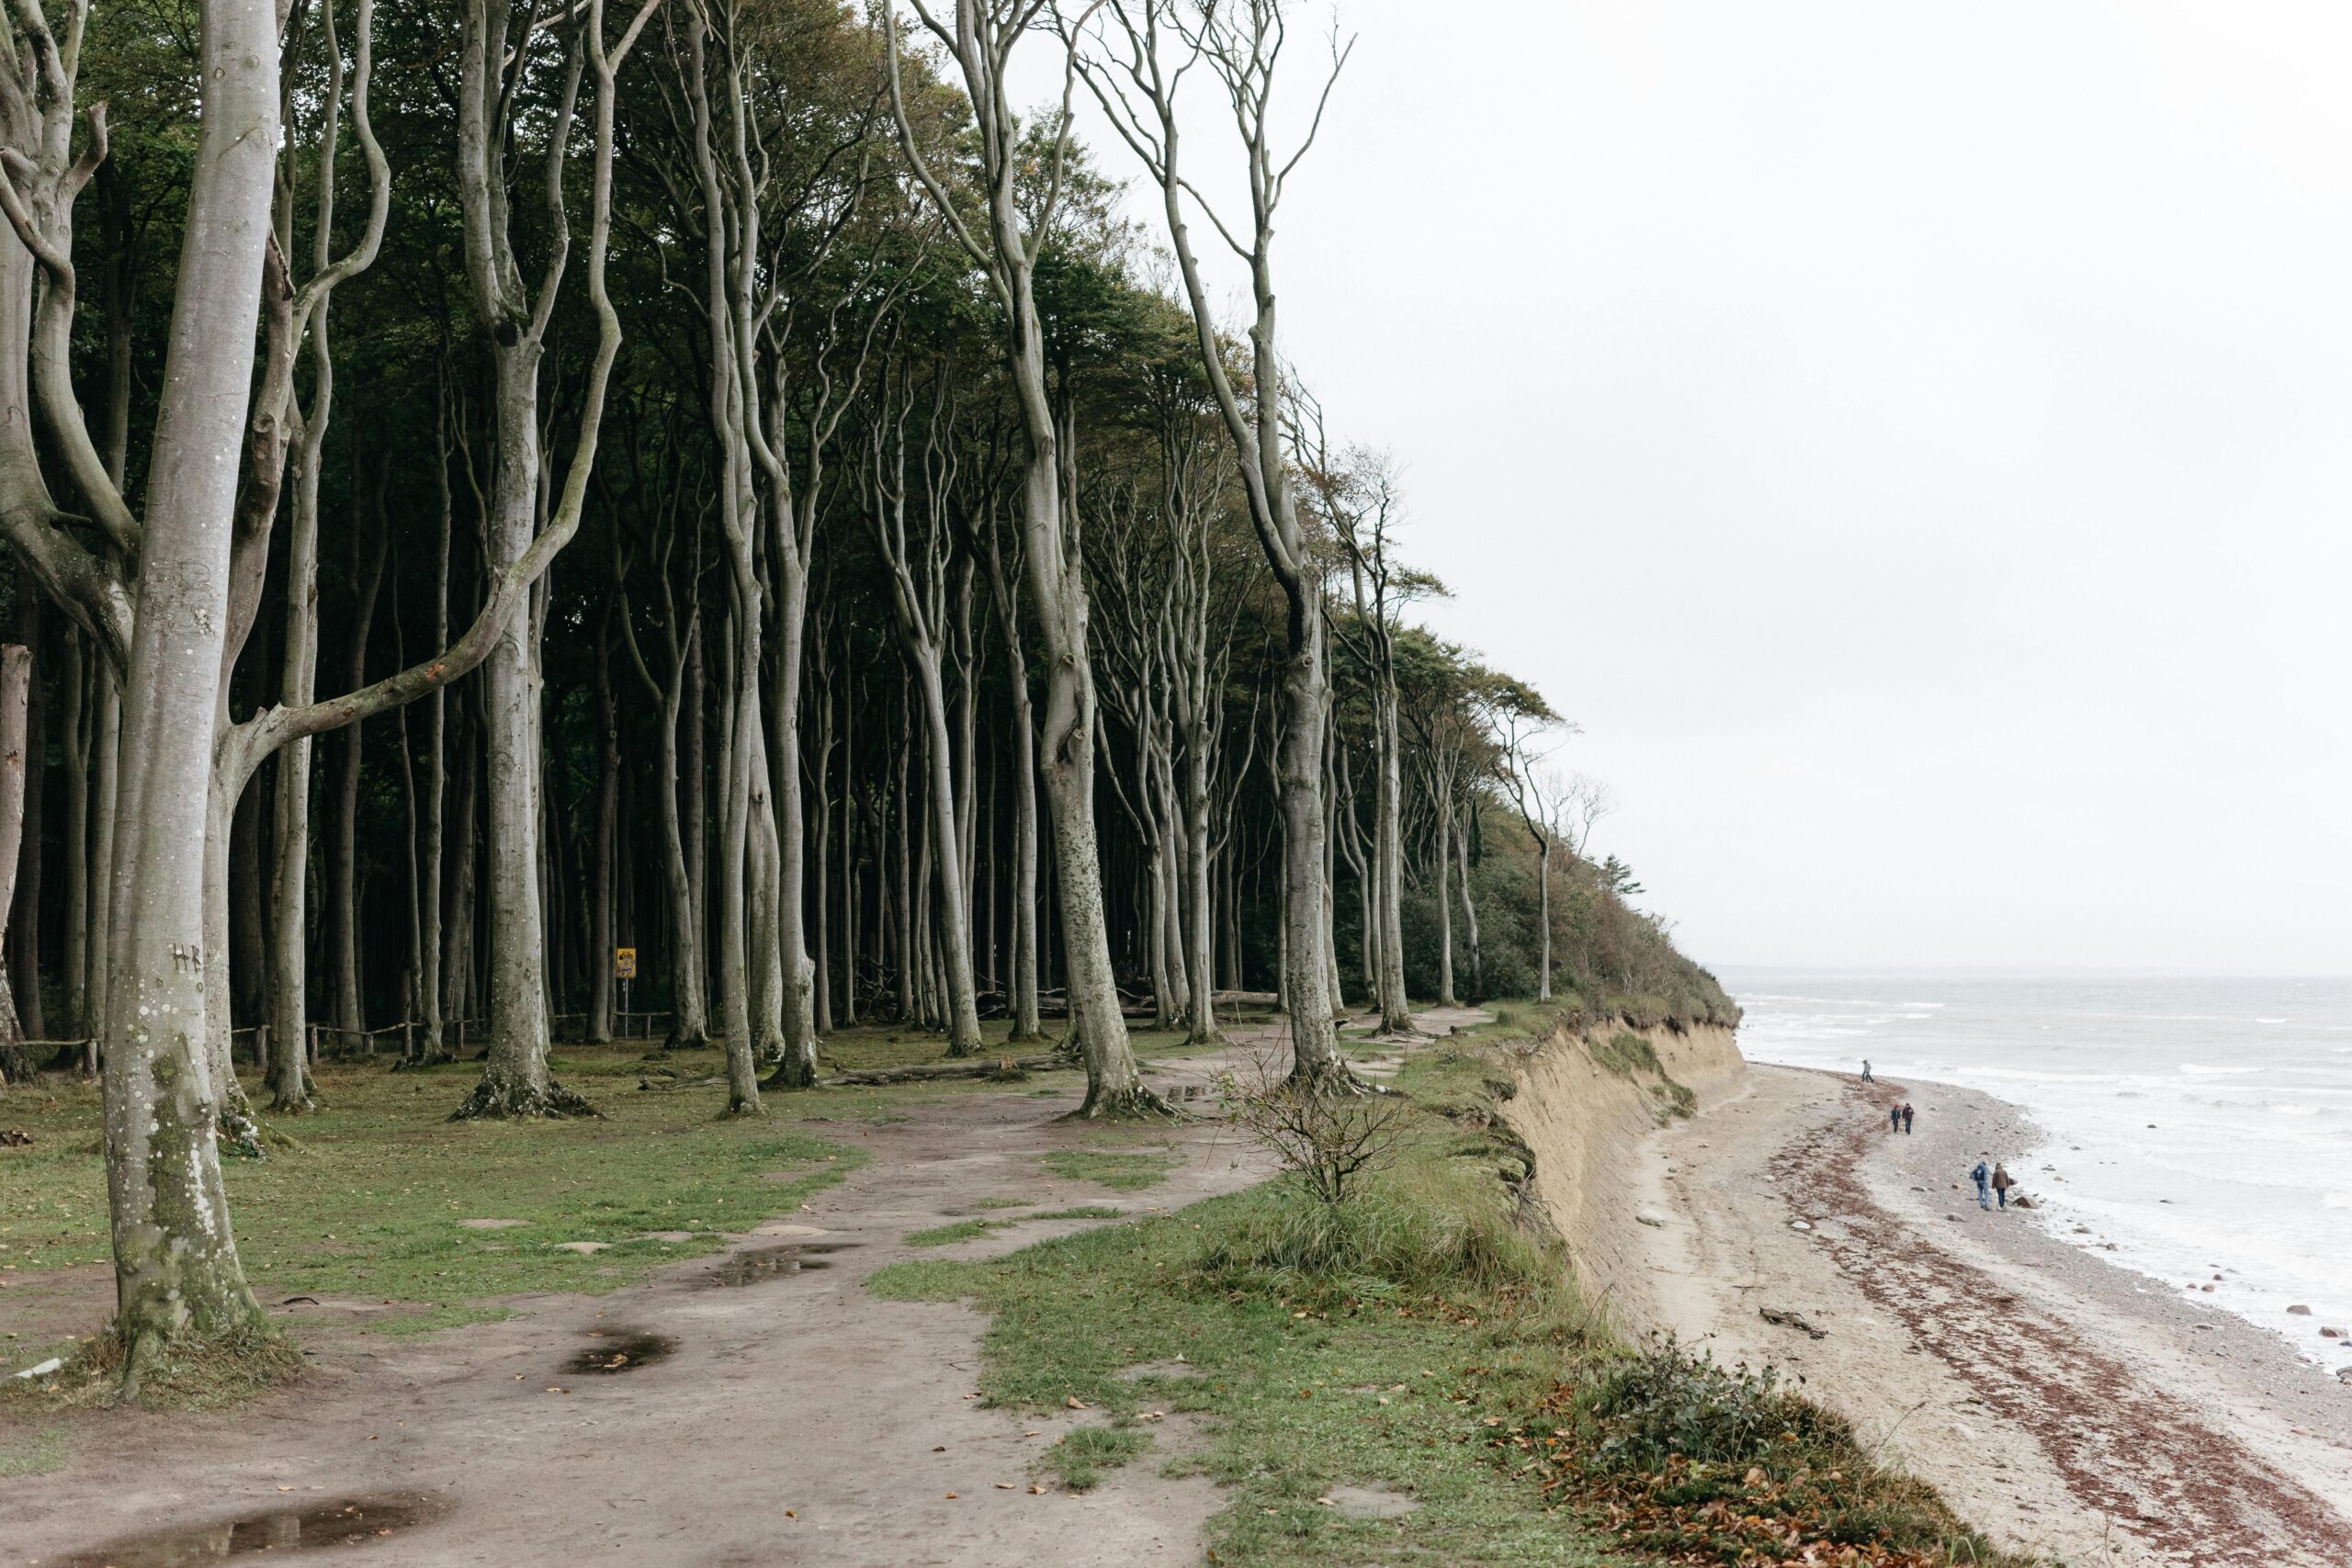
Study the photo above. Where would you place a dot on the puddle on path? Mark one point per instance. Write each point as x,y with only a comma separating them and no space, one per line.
339,1521
750,1267
621,1350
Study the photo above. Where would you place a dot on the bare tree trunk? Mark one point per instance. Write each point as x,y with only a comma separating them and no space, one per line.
175,1258
1242,51
980,42
601,960
343,873
433,1046
15,682
73,683
1443,791
24,906
1470,914
515,1080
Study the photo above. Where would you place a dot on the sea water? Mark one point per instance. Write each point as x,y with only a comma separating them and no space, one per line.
2203,1126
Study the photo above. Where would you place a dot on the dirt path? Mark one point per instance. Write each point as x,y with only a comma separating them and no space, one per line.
794,1420
2050,1396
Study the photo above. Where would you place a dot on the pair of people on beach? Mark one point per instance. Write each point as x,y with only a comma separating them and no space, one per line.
1898,1118
1989,1182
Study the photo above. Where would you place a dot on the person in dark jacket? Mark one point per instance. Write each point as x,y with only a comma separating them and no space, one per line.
1894,1119
1906,1115
1983,1177
2003,1181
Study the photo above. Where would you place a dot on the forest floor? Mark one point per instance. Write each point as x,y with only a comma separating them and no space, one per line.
648,1339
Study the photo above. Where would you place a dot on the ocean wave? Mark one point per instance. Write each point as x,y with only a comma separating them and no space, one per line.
2199,1070
2270,1020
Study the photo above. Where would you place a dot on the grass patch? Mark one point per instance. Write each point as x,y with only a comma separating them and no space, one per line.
1004,1202
1418,1339
31,1452
1079,1458
1626,1054
1121,1171
370,1206
972,1230
1364,1346
949,1234
1629,1055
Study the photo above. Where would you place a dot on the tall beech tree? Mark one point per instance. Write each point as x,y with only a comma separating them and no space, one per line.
1018,222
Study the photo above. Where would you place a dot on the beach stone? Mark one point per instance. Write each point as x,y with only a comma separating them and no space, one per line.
1800,1225
1651,1217
2331,1334
2299,1310
2344,1374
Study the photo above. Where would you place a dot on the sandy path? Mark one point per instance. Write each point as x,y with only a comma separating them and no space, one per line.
2063,1403
800,1392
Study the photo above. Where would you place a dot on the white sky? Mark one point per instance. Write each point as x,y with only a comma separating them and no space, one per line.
1913,441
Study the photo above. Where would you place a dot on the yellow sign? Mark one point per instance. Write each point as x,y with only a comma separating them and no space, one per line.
624,964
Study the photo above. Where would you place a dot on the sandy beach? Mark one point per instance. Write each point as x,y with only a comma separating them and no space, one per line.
2061,1403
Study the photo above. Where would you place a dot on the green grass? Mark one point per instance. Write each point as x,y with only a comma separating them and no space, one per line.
1004,1202
1363,1346
1121,1171
1418,1339
1078,1460
972,1230
949,1234
370,1206
31,1452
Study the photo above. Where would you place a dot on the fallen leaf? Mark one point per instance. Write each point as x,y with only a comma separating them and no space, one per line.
791,1514
1073,1401
940,1449
1037,1491
951,1497
1005,1486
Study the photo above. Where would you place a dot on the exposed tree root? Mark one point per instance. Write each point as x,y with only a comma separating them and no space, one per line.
795,1071
1135,1104
494,1100
685,1040
1332,1078
16,1065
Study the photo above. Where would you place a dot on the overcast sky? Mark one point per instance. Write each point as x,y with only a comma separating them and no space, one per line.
1913,441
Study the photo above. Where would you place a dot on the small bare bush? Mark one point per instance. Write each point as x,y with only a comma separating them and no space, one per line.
1331,1141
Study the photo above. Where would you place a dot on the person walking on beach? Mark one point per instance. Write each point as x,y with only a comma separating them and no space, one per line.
1906,1115
2003,1181
1866,1071
1984,1179
1894,1119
